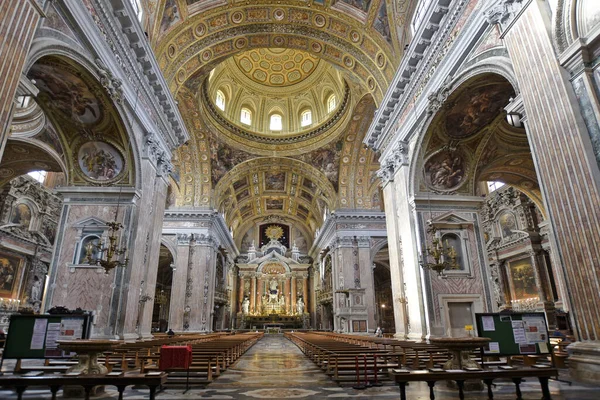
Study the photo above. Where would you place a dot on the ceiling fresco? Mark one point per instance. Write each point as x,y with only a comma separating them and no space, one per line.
83,136
469,141
277,56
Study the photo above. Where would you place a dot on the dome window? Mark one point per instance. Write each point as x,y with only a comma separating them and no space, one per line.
246,116
276,122
220,100
331,103
306,118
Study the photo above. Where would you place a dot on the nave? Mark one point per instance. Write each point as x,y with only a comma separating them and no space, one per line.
275,368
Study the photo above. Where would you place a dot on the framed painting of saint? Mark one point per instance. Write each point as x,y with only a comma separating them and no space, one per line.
10,273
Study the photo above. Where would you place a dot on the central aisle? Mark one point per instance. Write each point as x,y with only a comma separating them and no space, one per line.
275,362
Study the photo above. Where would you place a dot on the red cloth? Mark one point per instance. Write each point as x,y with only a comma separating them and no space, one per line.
172,357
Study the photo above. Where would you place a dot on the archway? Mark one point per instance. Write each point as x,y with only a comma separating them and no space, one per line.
469,142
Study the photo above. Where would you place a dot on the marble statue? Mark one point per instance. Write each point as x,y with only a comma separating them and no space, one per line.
35,290
300,306
273,292
245,306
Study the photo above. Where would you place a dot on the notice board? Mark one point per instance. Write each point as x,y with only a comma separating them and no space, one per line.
514,333
35,336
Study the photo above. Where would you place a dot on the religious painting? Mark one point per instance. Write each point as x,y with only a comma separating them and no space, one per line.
445,170
240,184
306,196
21,215
170,15
247,240
274,204
275,181
68,94
10,266
381,23
310,185
326,160
242,195
476,108
507,223
245,210
300,241
223,158
362,5
523,280
100,161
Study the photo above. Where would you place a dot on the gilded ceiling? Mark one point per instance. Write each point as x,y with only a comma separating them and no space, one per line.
277,57
276,67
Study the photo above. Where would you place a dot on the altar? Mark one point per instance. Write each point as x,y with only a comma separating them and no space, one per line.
272,287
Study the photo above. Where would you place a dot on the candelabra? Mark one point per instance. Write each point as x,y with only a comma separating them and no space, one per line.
109,255
444,256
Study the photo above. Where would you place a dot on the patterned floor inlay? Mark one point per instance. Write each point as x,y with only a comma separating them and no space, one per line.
274,368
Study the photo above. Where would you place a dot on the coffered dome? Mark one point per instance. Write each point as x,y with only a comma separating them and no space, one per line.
276,67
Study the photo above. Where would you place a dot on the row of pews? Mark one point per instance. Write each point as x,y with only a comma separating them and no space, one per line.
138,363
363,361
351,359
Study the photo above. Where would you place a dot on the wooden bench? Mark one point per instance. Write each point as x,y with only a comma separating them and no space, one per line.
487,376
88,382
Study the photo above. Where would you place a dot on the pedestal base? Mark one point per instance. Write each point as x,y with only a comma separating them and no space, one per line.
584,361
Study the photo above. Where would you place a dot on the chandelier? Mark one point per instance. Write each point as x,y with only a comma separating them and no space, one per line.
444,256
109,254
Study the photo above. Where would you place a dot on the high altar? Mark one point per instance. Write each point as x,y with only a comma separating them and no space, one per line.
273,288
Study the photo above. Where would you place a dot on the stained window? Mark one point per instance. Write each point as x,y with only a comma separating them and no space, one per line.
493,186
419,15
246,116
220,100
276,122
306,118
39,176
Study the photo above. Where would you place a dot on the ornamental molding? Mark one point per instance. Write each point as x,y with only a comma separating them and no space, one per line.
423,52
392,163
154,151
503,12
128,49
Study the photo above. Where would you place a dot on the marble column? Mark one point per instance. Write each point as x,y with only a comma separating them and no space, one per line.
179,284
305,284
152,252
293,295
409,314
200,277
240,298
568,173
366,280
253,295
287,294
259,294
18,25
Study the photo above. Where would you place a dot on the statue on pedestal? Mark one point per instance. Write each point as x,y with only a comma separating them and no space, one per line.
273,291
300,306
245,306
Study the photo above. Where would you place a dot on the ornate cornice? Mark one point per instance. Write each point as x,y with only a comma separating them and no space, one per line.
392,163
125,38
417,60
154,152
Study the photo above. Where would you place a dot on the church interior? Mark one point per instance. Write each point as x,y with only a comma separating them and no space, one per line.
294,180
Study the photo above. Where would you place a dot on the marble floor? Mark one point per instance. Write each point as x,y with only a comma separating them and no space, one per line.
274,368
